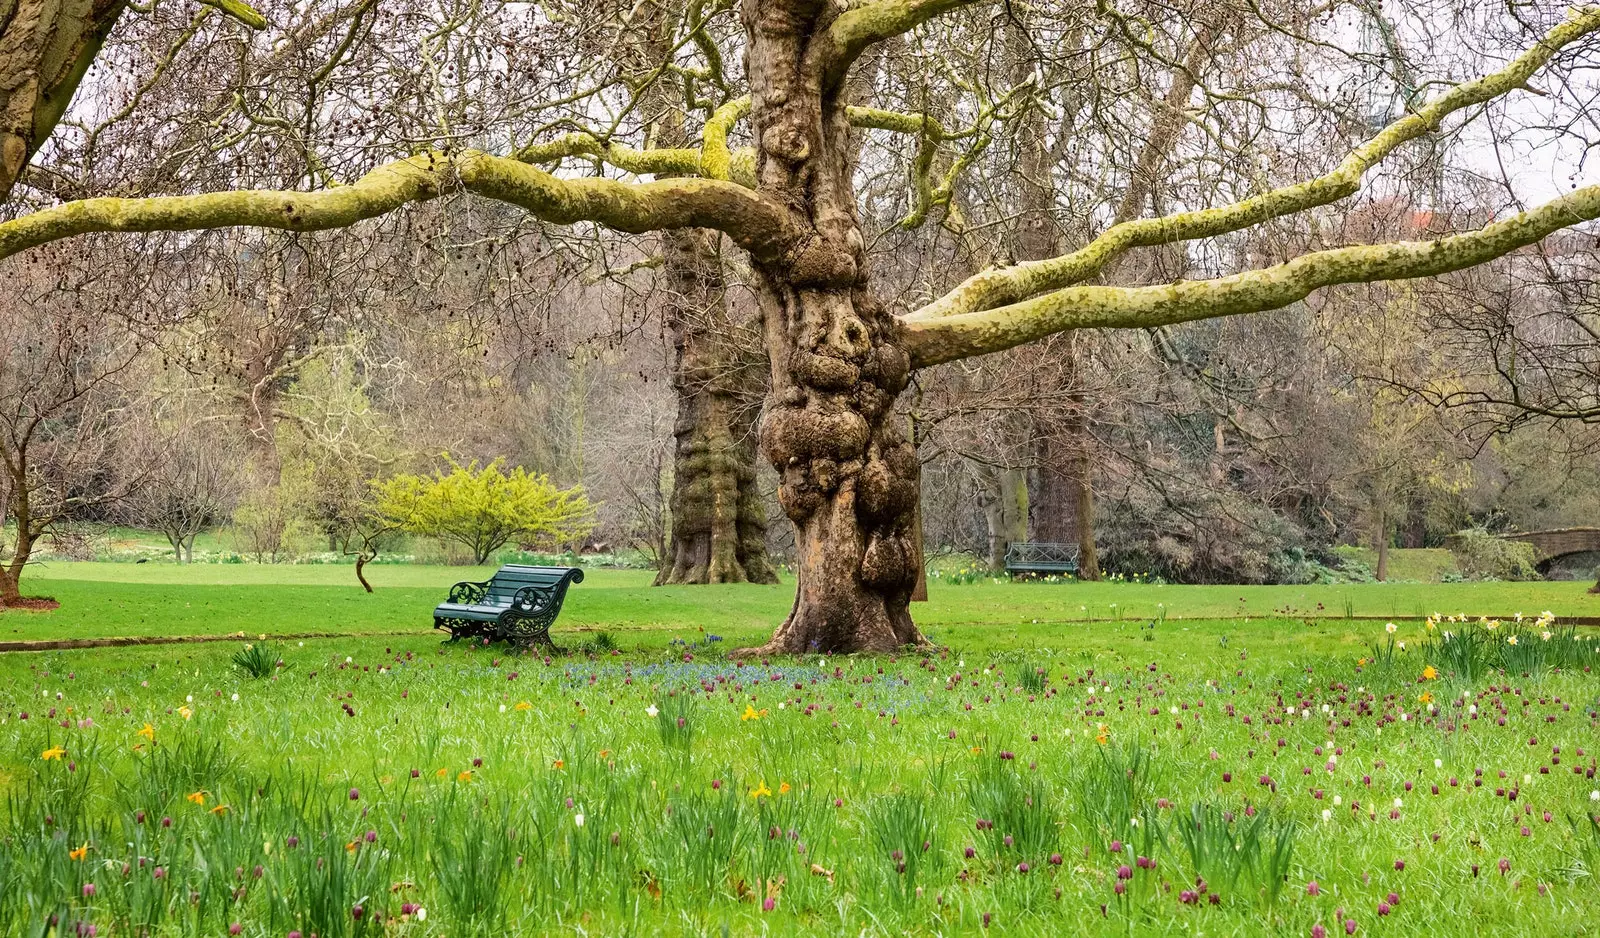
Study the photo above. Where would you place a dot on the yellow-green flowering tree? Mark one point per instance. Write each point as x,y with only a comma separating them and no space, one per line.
484,508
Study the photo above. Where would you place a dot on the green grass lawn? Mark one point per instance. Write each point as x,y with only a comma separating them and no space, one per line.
387,785
119,599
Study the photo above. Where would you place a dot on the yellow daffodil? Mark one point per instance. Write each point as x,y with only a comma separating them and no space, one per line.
79,853
1102,737
220,809
196,797
1429,673
762,790
148,732
441,773
1425,697
783,788
523,705
54,752
1511,640
558,764
751,713
185,712
464,775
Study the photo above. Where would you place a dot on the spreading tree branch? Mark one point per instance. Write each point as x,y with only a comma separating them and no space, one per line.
997,287
752,221
954,337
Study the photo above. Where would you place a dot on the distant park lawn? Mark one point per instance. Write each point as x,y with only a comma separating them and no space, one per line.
124,599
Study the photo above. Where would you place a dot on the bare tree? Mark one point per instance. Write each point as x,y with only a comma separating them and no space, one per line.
189,483
60,405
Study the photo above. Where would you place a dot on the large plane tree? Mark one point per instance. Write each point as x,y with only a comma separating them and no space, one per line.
840,357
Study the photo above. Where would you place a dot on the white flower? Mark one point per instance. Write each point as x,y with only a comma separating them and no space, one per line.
1173,709
1438,763
236,697
1333,759
189,699
1327,814
1398,803
1304,713
422,914
651,710
348,659
1402,646
1545,635
502,708
1594,795
1337,801
578,819
1390,628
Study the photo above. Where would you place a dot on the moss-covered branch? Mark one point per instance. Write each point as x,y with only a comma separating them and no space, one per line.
675,162
832,53
750,220
1000,286
954,337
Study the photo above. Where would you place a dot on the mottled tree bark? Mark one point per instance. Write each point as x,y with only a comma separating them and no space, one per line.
848,477
45,48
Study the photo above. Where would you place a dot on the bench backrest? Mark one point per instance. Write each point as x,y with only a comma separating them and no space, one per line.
512,577
1041,553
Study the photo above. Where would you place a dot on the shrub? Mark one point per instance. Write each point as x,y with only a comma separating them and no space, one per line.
484,509
1483,556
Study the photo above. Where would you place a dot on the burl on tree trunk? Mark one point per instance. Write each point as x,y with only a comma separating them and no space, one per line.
848,478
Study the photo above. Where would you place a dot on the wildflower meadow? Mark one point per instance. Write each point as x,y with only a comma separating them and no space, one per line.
1212,775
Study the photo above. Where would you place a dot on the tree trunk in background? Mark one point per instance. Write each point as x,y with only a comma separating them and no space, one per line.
1063,511
719,524
1003,496
848,477
22,549
717,530
45,48
1383,546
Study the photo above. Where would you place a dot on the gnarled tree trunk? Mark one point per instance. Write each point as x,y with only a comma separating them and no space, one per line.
848,477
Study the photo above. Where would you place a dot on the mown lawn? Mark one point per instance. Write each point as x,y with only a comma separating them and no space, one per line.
116,599
385,785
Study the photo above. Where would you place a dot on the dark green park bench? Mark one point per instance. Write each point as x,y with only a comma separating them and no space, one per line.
518,603
1041,558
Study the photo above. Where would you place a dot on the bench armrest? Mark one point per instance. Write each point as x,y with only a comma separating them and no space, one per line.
467,593
532,599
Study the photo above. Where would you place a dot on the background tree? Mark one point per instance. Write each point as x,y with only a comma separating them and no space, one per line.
189,483
484,509
62,366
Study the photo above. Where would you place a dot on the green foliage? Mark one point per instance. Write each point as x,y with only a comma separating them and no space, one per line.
483,509
1222,848
1482,556
257,659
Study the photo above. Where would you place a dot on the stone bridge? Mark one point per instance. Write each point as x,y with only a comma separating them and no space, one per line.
1548,545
